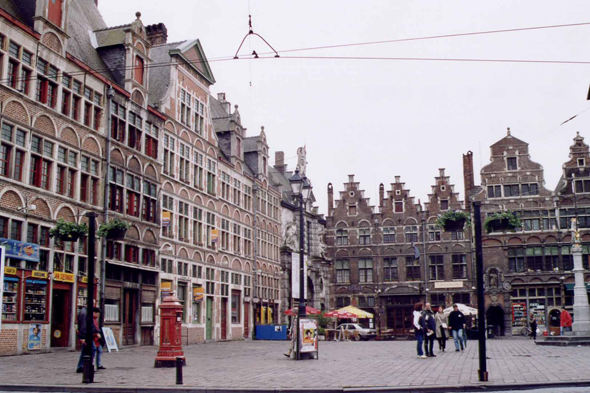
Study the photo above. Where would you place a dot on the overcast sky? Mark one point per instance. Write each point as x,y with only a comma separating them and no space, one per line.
381,118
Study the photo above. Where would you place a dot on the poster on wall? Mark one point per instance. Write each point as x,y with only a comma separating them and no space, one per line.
109,338
34,341
2,251
295,275
308,330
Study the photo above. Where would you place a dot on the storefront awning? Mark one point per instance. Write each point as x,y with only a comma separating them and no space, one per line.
570,286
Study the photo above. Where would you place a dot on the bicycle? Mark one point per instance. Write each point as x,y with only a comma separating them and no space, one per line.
525,331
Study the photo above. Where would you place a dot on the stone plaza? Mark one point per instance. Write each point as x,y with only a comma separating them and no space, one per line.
260,365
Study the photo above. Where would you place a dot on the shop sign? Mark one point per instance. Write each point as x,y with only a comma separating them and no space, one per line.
214,235
198,294
21,250
84,279
165,219
448,284
65,277
166,289
39,274
10,270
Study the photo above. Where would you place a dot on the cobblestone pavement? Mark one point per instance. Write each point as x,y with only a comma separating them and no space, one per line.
341,364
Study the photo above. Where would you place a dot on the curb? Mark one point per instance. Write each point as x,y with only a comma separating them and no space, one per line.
481,387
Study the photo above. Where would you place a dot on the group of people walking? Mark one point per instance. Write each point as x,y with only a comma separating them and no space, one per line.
430,325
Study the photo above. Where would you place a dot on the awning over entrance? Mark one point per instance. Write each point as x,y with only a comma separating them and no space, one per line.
570,287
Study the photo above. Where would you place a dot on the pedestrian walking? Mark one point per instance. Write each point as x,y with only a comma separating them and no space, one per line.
533,333
430,331
98,340
442,326
419,328
291,336
565,321
457,327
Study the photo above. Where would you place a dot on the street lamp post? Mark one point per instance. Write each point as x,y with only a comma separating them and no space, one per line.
88,376
301,190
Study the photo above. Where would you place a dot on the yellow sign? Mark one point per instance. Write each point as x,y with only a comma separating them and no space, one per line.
165,219
65,277
214,235
84,279
198,294
39,274
166,285
10,270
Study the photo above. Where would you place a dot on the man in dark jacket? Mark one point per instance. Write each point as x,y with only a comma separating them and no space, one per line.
81,319
457,326
429,336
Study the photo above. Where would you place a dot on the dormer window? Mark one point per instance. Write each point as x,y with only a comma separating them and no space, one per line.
55,12
511,163
581,162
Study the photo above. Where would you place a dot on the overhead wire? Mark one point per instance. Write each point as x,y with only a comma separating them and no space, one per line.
105,71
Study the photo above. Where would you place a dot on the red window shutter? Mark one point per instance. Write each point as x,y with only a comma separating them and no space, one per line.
54,12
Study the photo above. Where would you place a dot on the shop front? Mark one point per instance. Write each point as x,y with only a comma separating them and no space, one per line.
399,313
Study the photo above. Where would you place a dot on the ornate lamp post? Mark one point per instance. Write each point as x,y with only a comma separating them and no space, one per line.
301,189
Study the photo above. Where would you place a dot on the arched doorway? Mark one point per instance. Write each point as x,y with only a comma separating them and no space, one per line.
495,317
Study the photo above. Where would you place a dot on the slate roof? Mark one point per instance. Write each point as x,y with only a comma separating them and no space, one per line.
109,37
10,7
251,144
160,75
83,19
221,119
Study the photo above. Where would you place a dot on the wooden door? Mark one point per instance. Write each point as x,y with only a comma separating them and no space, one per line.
246,319
209,316
129,319
224,319
60,318
400,319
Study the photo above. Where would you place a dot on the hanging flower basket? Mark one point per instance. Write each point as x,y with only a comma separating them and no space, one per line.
68,231
114,229
453,221
501,222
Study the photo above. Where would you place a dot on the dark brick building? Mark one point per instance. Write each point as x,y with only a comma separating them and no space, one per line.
385,260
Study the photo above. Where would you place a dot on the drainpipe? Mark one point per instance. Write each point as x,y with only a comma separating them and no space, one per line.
110,95
424,234
255,245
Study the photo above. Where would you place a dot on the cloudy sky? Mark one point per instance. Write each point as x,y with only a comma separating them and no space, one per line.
381,118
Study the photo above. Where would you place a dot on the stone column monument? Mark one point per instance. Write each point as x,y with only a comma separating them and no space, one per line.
581,325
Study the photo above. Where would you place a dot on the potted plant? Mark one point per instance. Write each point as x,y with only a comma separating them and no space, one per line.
453,221
504,221
114,229
321,334
68,231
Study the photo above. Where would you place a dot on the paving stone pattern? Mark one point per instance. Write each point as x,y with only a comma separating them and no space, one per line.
252,364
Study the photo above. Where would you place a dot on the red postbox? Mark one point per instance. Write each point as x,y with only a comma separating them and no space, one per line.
170,333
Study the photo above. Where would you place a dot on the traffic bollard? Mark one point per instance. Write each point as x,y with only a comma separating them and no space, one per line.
179,370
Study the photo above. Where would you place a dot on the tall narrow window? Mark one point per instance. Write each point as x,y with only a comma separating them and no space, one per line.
437,267
138,75
54,12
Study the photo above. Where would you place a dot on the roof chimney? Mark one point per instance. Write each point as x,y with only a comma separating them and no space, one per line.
96,2
280,162
156,34
226,105
330,199
468,177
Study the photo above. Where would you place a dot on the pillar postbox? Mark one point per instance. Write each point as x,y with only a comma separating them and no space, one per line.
170,333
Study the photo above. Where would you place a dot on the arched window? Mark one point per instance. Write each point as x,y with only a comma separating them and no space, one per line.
138,76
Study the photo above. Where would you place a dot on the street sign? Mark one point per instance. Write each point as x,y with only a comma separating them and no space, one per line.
21,250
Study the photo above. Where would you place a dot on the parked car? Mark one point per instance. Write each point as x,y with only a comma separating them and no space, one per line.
363,333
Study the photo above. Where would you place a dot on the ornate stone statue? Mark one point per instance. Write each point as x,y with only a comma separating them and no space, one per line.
575,232
290,236
493,279
323,247
301,160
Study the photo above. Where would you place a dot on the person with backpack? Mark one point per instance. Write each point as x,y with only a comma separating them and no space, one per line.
419,328
430,332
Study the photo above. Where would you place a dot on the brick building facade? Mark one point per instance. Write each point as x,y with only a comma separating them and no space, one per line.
387,259
88,125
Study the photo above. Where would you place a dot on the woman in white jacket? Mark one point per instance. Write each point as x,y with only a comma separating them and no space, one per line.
419,328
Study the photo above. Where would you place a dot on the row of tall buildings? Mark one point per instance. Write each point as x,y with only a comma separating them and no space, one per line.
387,257
118,121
